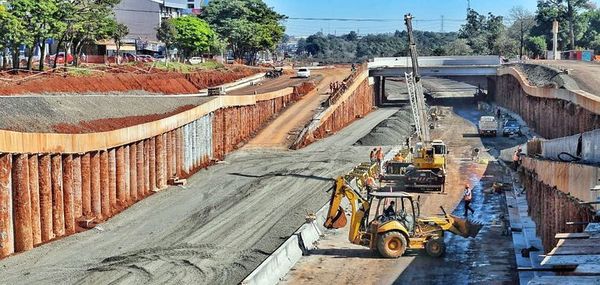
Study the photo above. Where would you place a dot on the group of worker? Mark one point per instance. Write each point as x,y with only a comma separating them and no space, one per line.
336,86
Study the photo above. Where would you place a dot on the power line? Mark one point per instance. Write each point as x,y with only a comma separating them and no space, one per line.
368,19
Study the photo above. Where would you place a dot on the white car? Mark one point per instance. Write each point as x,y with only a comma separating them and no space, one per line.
196,60
303,73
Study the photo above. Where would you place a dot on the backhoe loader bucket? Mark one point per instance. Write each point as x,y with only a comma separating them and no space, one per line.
464,228
338,221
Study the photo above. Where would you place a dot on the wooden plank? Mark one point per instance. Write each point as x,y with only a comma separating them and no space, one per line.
556,260
565,280
572,235
577,242
588,269
575,250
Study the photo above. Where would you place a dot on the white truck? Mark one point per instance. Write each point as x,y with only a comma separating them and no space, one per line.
488,126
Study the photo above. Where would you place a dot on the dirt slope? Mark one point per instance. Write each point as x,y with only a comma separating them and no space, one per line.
214,231
279,134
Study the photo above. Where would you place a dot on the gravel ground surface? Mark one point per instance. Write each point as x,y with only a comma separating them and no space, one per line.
585,74
547,76
392,131
40,113
215,230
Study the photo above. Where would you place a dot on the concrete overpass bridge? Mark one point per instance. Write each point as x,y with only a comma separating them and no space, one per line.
474,70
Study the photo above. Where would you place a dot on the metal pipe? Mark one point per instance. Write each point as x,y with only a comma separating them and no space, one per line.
133,194
95,187
140,169
161,157
34,192
68,197
104,185
86,185
152,164
121,194
127,173
77,187
146,167
45,178
112,178
7,245
168,155
58,211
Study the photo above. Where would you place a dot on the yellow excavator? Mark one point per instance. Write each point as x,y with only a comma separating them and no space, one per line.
394,225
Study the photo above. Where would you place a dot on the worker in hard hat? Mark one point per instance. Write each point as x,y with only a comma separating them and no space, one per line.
516,158
370,184
373,155
467,197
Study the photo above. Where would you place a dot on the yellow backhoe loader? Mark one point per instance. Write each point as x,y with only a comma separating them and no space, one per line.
391,228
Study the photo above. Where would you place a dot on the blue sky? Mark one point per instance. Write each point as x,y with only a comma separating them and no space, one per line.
430,12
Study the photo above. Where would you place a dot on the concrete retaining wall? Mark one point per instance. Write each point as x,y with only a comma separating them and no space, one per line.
49,190
552,113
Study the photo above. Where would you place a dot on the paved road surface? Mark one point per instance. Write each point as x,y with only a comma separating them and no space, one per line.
216,230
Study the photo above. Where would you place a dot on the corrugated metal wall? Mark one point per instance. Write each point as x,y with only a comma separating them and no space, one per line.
197,143
590,146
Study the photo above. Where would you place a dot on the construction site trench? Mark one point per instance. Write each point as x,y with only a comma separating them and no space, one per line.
229,217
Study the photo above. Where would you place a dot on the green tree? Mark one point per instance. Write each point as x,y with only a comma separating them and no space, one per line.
458,47
570,9
117,32
167,34
94,21
537,45
10,29
248,26
192,35
522,23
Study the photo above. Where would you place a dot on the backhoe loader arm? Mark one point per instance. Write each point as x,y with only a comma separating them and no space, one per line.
336,217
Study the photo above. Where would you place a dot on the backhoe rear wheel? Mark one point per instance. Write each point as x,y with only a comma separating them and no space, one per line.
435,247
391,244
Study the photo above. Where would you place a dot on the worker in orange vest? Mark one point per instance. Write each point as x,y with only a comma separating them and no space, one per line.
370,184
516,158
380,159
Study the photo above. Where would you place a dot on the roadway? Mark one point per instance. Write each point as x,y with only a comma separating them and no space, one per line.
215,230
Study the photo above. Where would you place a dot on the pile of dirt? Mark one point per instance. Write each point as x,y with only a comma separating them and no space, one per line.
546,76
117,83
392,131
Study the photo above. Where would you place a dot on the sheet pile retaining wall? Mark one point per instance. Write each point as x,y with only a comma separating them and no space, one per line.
552,113
356,102
552,208
555,191
45,195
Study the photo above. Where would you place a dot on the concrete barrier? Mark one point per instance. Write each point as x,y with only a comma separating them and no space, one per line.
279,263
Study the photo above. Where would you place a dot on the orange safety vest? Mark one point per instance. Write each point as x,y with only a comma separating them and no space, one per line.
516,156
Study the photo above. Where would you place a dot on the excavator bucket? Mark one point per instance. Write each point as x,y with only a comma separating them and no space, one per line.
338,221
464,228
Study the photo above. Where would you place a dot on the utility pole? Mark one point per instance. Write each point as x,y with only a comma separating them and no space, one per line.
555,40
442,29
468,5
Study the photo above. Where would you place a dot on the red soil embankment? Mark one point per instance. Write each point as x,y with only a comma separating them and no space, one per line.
162,83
